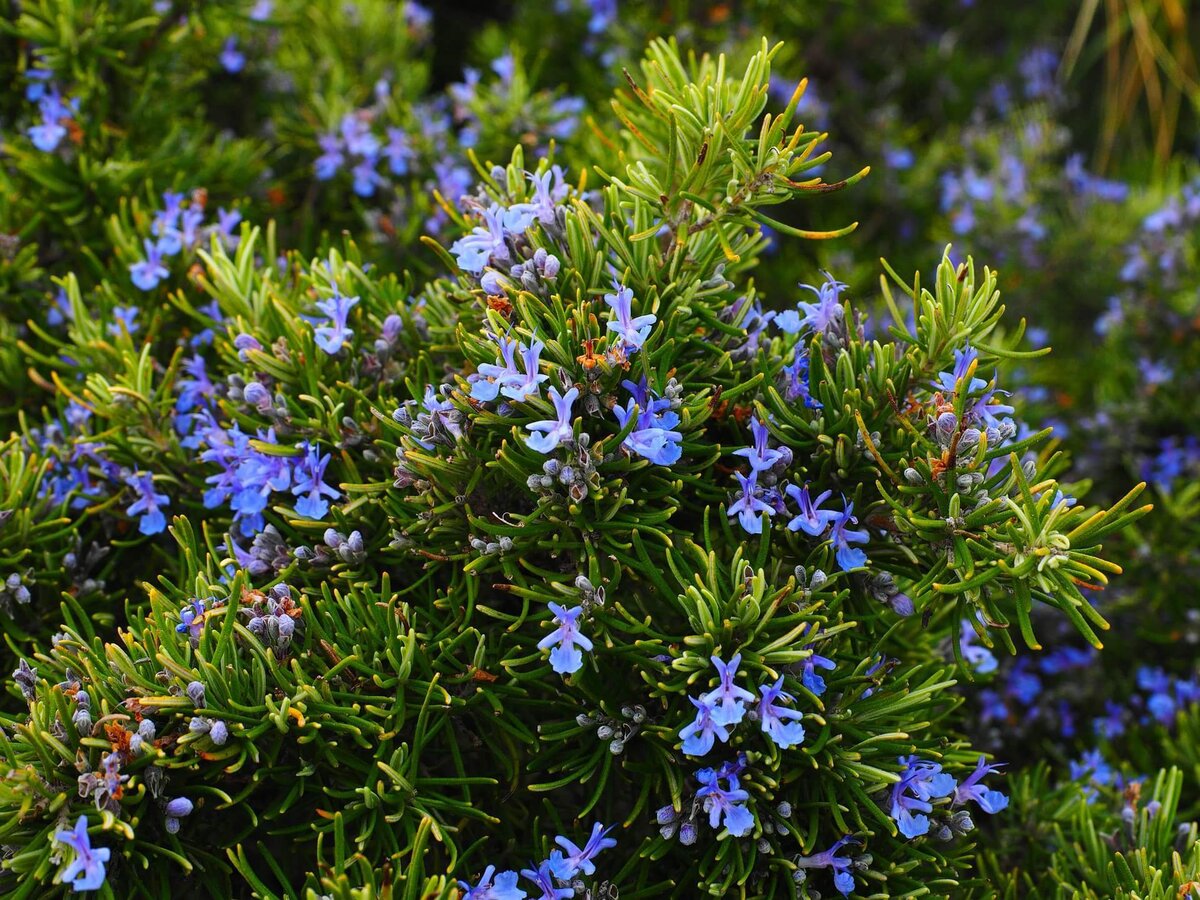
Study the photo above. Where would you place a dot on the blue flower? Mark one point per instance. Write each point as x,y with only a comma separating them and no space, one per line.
784,734
920,782
86,869
60,309
632,331
827,310
727,698
333,336
796,384
147,503
543,878
226,222
1092,769
487,242
148,272
576,860
980,658
125,320
192,618
747,506
812,520
760,456
549,433
1112,723
520,387
504,887
485,386
724,805
37,77
988,800
549,189
652,436
700,735
232,59
809,677
310,484
331,159
366,179
566,640
843,880
965,362
48,135
841,537
398,151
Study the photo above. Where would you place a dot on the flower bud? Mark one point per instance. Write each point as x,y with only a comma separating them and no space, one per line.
195,692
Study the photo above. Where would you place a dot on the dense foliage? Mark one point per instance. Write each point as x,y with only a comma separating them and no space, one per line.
520,476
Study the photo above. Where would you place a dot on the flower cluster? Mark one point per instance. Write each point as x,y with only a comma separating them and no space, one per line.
57,112
922,782
179,227
724,707
558,877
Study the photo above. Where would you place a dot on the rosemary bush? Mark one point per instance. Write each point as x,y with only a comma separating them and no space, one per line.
435,486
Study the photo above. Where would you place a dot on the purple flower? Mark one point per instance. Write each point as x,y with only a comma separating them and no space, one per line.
724,805
760,456
632,331
543,878
333,336
548,190
520,387
232,59
553,431
147,273
86,869
920,782
700,735
576,860
784,734
848,557
747,506
796,383
989,801
147,503
809,677
1092,769
493,376
331,159
366,179
37,78
827,310
843,880
47,136
192,618
652,437
980,658
309,484
226,222
60,309
126,320
965,362
1112,723
398,151
504,887
727,697
812,520
485,242
566,640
